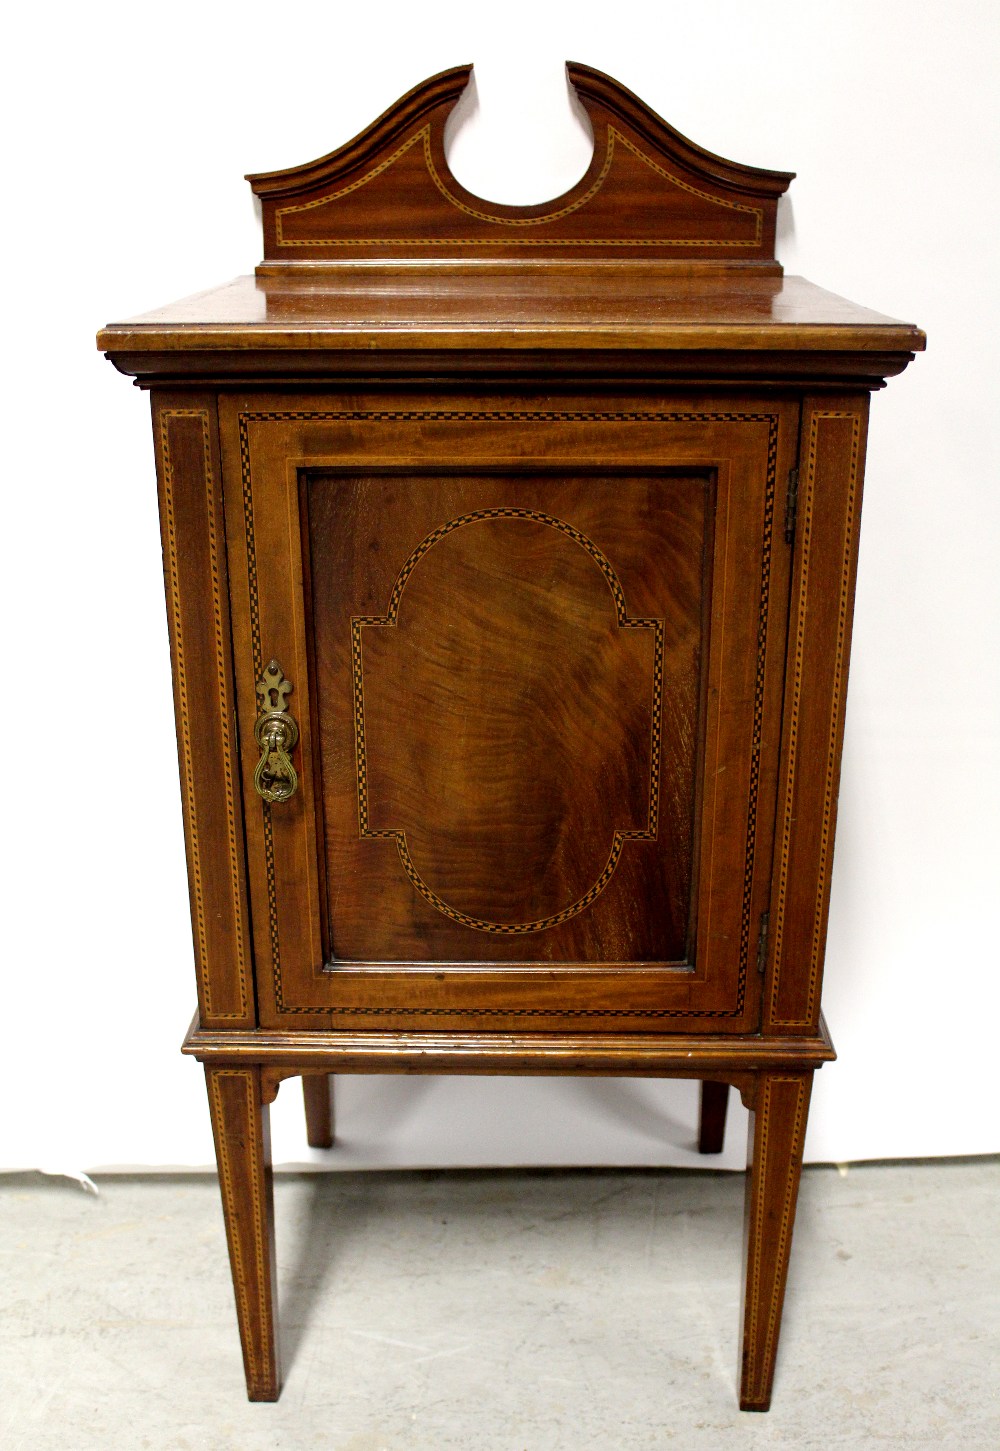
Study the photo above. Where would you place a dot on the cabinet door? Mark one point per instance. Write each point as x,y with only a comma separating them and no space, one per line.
535,649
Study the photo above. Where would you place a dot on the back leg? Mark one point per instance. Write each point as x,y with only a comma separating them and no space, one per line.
317,1090
712,1118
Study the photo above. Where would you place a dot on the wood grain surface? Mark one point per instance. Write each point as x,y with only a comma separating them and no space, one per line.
549,516
390,191
196,581
243,1152
687,540
774,1167
499,309
524,712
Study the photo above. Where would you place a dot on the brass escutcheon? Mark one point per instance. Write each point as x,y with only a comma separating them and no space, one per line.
276,732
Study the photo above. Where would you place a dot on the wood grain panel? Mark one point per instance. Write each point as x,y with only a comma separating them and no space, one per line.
194,563
824,568
512,720
648,191
270,451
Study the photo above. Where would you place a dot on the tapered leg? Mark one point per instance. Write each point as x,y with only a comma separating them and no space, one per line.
317,1090
712,1118
243,1154
777,1133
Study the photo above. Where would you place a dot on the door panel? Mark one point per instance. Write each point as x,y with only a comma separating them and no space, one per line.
535,659
506,734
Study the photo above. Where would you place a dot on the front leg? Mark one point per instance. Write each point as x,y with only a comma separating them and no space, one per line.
240,1122
777,1134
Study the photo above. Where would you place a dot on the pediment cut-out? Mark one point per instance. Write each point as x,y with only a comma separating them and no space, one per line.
649,192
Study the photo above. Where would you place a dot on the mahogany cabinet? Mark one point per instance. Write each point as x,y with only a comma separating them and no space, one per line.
509,557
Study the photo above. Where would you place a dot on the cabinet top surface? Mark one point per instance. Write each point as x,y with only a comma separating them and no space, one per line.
496,305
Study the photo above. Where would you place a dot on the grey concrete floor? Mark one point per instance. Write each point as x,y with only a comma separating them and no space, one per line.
507,1311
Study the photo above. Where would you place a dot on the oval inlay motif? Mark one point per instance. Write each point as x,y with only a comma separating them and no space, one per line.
624,622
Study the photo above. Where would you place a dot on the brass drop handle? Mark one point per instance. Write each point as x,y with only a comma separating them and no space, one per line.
275,778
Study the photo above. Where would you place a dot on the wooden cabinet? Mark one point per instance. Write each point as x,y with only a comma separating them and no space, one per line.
509,557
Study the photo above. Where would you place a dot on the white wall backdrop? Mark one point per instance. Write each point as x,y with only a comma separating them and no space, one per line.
129,128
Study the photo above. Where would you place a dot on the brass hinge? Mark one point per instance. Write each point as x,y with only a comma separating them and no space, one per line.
791,505
762,942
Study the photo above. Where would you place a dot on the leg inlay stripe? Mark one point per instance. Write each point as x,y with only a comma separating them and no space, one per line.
762,1228
255,1172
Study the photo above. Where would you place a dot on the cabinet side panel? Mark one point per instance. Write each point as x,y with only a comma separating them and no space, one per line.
185,429
819,639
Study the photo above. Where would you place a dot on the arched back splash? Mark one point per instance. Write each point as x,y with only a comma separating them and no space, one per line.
648,194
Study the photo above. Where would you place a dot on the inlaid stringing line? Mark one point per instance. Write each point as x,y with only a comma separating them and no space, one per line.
797,673
490,416
233,838
215,1075
424,137
358,623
